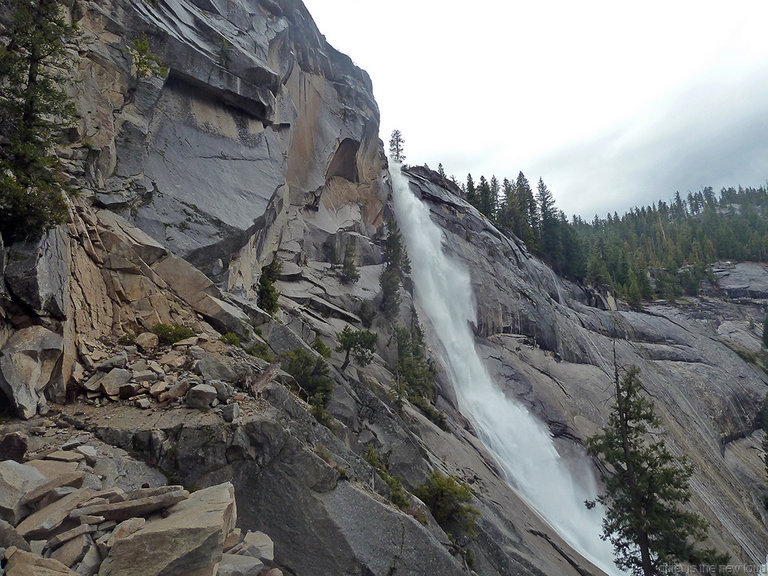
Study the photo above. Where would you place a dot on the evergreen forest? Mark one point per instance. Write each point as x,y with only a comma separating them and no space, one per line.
659,251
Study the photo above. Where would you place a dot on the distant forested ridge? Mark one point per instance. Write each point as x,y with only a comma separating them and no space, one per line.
659,251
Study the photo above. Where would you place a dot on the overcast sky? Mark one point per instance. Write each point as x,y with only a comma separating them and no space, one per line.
613,104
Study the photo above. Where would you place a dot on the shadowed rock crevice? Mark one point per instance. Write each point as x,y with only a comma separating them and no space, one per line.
344,163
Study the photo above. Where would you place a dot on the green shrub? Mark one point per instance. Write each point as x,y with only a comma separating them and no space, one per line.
127,339
170,334
267,293
430,411
310,374
448,500
319,346
260,350
399,495
147,64
231,338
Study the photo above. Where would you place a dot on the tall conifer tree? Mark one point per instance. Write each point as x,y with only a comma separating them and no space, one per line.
33,109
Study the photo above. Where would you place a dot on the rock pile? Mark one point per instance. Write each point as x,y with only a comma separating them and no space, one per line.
56,518
193,371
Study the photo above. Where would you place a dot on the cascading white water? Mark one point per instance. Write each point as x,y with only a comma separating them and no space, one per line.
521,445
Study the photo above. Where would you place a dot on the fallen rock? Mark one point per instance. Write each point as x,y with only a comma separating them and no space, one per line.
13,446
158,388
75,442
114,380
9,537
140,506
15,481
176,391
116,361
73,550
64,537
224,390
233,538
145,376
188,542
89,452
73,479
38,275
129,389
234,565
215,367
230,412
28,367
201,396
90,563
147,341
43,522
21,563
125,529
65,456
257,545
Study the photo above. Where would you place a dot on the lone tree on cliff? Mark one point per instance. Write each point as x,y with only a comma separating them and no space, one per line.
646,490
396,146
360,343
33,108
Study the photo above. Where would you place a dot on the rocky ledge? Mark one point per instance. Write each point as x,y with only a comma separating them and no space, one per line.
72,505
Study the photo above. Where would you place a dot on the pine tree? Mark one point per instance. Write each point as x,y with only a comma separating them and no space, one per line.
396,146
359,343
33,109
484,200
646,489
349,271
528,212
471,191
267,294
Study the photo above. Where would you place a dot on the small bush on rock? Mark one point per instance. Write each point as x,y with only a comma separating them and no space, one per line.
231,338
448,500
170,334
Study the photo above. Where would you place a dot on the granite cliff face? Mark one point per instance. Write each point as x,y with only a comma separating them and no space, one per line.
261,142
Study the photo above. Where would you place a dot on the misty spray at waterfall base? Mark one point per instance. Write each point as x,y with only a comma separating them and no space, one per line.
521,445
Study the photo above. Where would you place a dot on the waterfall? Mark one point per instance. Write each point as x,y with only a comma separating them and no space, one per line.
521,445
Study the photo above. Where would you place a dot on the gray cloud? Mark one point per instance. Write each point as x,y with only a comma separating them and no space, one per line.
708,135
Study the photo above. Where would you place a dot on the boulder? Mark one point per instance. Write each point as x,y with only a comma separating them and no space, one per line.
30,363
37,273
125,529
15,481
234,565
140,505
13,446
201,396
115,380
215,367
20,563
43,522
230,412
224,390
147,341
187,542
9,537
257,545
70,478
73,550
